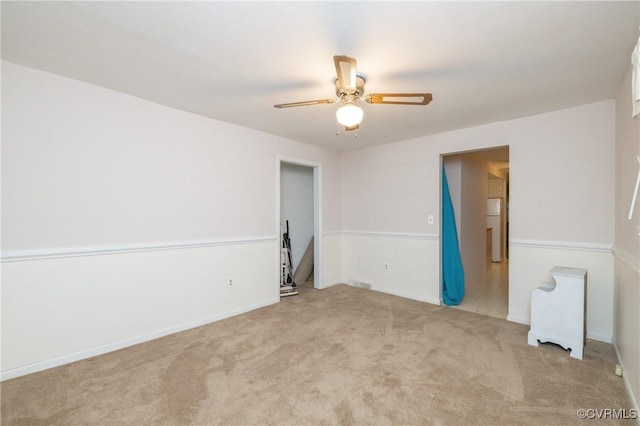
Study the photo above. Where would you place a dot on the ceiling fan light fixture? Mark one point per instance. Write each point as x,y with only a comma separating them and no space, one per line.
349,114
350,89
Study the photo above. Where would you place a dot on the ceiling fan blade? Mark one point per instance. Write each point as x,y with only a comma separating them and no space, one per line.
346,71
399,98
304,103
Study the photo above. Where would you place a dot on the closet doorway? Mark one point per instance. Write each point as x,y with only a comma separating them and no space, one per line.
298,203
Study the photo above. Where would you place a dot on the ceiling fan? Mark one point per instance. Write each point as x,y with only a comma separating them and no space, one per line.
350,90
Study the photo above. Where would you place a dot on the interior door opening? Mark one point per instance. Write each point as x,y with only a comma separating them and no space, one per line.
479,188
298,226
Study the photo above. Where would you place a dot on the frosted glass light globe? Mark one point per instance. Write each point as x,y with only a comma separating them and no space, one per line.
349,114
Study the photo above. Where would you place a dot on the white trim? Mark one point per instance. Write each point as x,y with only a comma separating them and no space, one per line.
317,213
606,338
330,284
67,359
26,255
625,380
381,234
561,245
627,259
600,337
317,224
297,161
406,295
518,320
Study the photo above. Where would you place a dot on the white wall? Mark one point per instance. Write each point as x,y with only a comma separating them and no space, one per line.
468,187
474,220
627,241
296,206
117,212
411,259
119,170
388,190
62,309
557,200
122,219
453,169
495,187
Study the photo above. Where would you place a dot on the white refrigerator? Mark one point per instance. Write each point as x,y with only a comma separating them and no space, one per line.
496,221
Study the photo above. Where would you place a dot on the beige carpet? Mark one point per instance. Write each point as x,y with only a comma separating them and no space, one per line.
337,356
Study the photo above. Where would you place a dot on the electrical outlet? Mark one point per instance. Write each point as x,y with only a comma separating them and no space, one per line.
386,266
618,370
230,282
430,219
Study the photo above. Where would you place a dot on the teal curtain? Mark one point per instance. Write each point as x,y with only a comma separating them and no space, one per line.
452,271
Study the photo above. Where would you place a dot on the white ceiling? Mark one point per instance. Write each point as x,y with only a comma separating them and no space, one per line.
483,61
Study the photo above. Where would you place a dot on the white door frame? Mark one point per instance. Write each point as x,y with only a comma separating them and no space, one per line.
317,216
469,151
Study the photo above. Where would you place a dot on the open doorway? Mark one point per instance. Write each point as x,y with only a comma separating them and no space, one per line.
298,224
479,189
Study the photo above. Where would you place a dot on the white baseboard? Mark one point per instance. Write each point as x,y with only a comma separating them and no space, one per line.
407,295
330,284
519,320
100,350
599,337
590,335
633,398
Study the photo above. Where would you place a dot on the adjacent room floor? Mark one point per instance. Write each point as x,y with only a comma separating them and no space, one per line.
342,355
488,293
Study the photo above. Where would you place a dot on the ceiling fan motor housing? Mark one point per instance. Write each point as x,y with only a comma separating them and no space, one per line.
342,92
